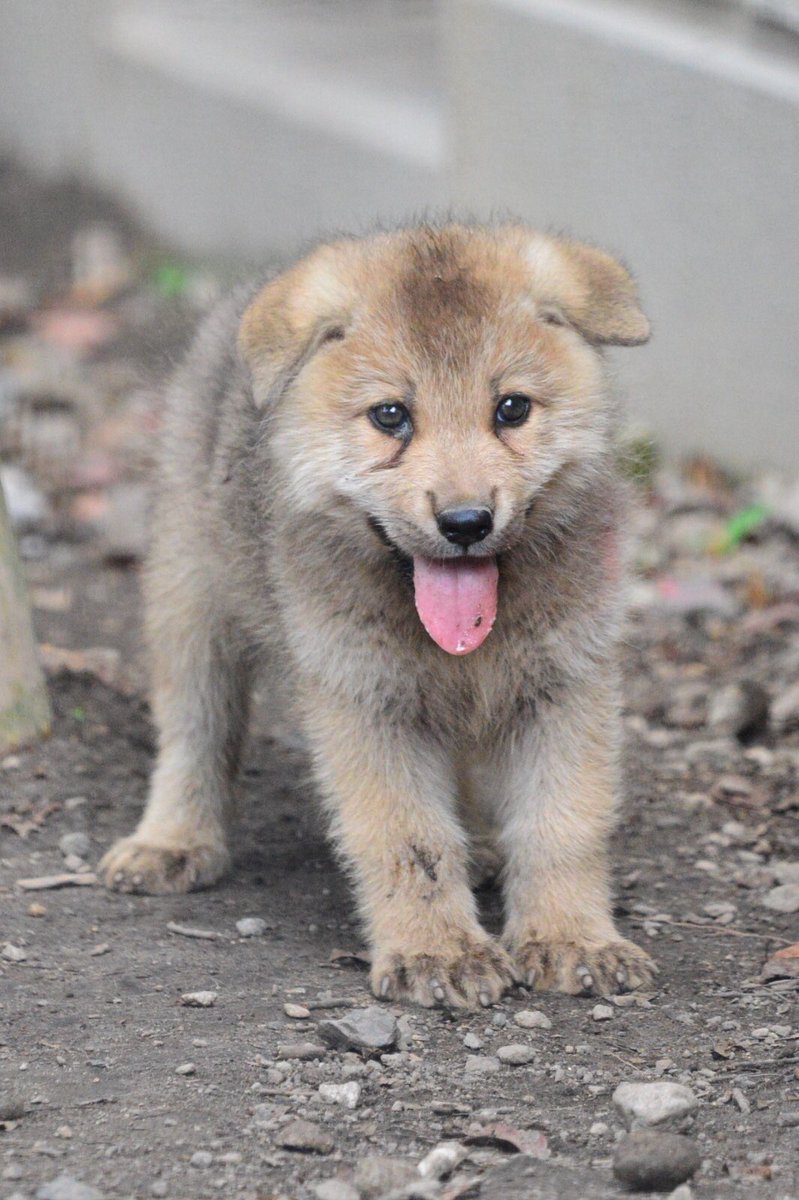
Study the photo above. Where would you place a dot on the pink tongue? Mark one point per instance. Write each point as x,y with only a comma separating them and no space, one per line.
456,600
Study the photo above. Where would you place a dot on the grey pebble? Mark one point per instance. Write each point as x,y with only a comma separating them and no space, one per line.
472,1042
77,844
377,1175
201,1158
365,1029
532,1018
655,1162
481,1064
66,1187
251,927
783,899
11,1108
516,1055
304,1051
644,1104
334,1189
306,1137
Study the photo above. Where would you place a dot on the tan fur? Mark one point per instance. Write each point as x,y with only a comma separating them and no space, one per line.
284,530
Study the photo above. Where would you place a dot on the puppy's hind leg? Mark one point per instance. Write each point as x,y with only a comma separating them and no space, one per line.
200,701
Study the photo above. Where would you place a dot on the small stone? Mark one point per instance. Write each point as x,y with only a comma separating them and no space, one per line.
304,1051
481,1064
77,844
334,1189
499,1019
345,1094
12,1108
199,999
442,1160
472,1042
516,1055
251,927
650,1161
159,1188
785,709
531,1018
297,1012
602,1012
377,1175
13,1171
37,910
599,1129
366,1029
185,1069
683,1192
66,1187
12,953
306,1138
783,899
653,1103
785,872
201,1158
739,708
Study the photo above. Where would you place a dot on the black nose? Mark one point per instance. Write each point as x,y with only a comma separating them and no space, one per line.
464,526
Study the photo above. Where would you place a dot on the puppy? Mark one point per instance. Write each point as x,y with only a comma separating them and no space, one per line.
391,473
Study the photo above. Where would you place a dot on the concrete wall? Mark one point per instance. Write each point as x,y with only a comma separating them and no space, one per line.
676,144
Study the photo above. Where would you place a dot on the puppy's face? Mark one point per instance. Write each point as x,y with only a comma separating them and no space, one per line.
442,381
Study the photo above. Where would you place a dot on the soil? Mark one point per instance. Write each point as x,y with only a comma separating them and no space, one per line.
94,1035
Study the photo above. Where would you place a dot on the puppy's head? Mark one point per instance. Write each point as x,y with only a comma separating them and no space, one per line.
428,387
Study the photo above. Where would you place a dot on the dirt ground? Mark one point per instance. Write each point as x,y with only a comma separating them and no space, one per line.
108,1079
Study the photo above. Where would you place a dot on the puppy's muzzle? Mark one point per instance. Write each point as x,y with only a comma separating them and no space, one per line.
465,526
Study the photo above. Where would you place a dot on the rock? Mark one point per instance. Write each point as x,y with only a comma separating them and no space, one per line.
785,709
783,899
739,708
185,1069
304,1051
376,1175
481,1064
251,927
66,1187
366,1029
11,1108
516,1055
297,1012
334,1189
785,872
306,1138
201,1158
473,1042
76,843
199,999
442,1160
650,1161
643,1104
683,1192
602,1012
12,953
345,1094
531,1018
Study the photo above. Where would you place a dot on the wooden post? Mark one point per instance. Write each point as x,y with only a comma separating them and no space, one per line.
24,704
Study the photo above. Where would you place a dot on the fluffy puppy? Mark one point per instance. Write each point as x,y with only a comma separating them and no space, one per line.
390,472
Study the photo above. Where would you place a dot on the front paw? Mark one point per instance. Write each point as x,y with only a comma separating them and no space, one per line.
132,865
471,972
583,967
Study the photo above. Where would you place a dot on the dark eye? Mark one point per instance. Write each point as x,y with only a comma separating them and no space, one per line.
513,409
392,418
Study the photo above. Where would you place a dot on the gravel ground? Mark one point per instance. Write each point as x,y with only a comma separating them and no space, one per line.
140,1059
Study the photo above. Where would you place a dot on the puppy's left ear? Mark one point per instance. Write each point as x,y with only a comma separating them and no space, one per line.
293,317
596,294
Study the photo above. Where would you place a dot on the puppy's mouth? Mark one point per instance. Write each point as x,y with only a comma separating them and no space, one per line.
456,598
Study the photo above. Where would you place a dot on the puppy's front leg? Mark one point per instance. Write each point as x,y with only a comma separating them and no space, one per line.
558,804
392,798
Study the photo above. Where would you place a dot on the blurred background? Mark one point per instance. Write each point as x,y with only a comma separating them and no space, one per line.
666,130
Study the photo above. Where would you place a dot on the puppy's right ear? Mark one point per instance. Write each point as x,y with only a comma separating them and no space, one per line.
293,316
